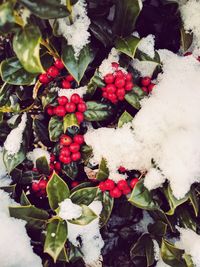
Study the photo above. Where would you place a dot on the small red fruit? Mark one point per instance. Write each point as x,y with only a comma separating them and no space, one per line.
122,184
109,78
82,107
109,184
50,111
74,184
102,186
35,187
43,78
65,140
145,89
75,98
129,77
53,72
187,54
133,182
62,100
65,152
115,193
150,87
74,147
60,111
59,64
52,158
115,65
126,190
119,74
65,160
122,169
80,117
111,88
103,89
145,81
129,86
42,184
119,82
105,94
57,166
66,84
76,156
112,97
79,139
51,167
70,107
69,78
120,92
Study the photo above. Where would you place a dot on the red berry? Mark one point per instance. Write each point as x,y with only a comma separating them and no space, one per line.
75,98
51,166
119,74
129,86
74,147
119,82
60,111
105,94
112,97
65,160
82,107
120,92
110,88
57,166
115,192
65,140
115,65
133,182
102,186
122,184
35,187
121,98
42,184
126,190
109,78
122,169
103,89
43,78
76,156
53,72
187,54
109,184
62,100
69,78
52,158
145,89
65,152
145,81
50,111
80,117
59,64
150,87
74,184
79,139
129,77
70,107
66,84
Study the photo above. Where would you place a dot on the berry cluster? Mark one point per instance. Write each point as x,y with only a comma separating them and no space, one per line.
39,187
75,105
119,189
53,72
146,84
117,85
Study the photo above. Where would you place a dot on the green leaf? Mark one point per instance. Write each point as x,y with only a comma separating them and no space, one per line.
159,215
46,9
55,128
57,191
69,121
172,255
55,243
5,92
127,45
12,72
188,260
76,67
41,130
133,99
103,172
86,152
97,111
71,170
26,44
10,189
124,118
186,39
94,83
87,216
157,229
12,161
63,256
142,198
42,165
126,13
48,99
139,92
24,200
144,247
185,218
35,218
194,199
84,196
7,19
107,202
100,28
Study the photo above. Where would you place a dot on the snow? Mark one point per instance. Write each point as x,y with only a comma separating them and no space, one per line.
91,240
161,263
156,249
16,250
3,171
166,129
146,45
190,242
37,153
142,226
69,210
154,179
69,92
15,137
76,33
145,68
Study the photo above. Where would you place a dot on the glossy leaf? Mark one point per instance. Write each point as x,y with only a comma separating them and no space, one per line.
194,200
186,39
42,165
185,218
26,44
57,191
71,170
12,72
107,202
48,98
103,172
7,19
76,67
124,118
24,200
87,216
86,152
84,196
41,131
133,99
127,45
157,229
94,83
69,121
55,238
97,111
12,161
55,128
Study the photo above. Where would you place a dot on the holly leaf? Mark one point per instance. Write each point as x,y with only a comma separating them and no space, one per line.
69,121
7,19
186,39
42,165
133,99
71,170
103,172
97,111
84,196
107,202
87,216
124,118
55,128
128,45
24,200
94,83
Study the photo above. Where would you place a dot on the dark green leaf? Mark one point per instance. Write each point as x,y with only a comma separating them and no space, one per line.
103,172
186,39
12,161
84,196
69,121
97,111
100,29
55,128
10,189
94,83
41,130
124,118
48,99
107,202
86,152
157,229
42,165
71,170
87,216
133,99
7,19
24,200
193,198
185,218
127,45
5,92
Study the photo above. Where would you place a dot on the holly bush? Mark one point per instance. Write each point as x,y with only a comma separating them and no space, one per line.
36,60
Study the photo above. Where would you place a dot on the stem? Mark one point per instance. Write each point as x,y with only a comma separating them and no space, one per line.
51,51
69,7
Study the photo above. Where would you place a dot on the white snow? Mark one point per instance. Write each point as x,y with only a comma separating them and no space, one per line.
146,45
69,210
76,33
91,239
142,226
69,92
14,139
161,263
37,153
145,68
156,249
16,250
154,179
3,171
